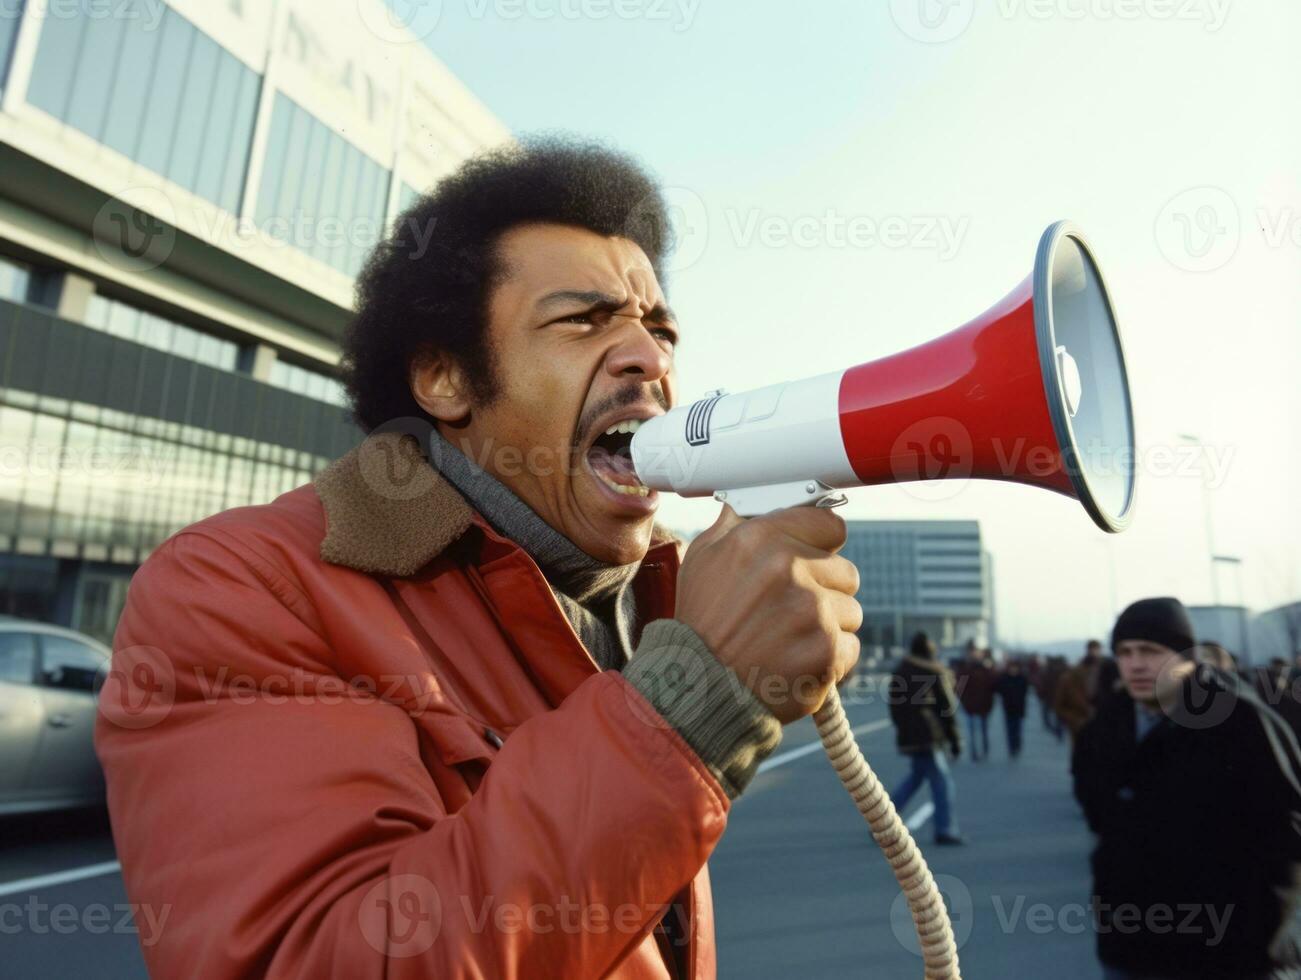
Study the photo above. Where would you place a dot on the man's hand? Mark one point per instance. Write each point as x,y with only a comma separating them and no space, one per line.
775,603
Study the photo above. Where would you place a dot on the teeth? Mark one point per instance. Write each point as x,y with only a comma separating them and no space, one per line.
638,491
626,426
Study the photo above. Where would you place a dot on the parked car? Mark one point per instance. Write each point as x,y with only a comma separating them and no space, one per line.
49,677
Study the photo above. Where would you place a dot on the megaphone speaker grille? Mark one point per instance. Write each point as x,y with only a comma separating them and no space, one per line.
1084,376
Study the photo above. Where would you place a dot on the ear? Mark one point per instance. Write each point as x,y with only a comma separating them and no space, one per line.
438,386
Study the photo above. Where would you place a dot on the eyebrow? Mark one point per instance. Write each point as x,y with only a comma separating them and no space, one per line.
595,299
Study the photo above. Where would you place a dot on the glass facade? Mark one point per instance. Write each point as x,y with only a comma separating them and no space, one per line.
80,477
131,323
79,481
107,75
313,384
15,281
10,15
320,193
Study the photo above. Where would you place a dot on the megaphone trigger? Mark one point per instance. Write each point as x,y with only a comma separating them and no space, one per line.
753,501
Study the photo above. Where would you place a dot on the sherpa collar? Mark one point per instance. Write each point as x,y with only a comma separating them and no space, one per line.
389,512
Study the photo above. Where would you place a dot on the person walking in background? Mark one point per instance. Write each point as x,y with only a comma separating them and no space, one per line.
1073,701
1045,683
1192,787
975,685
922,707
1012,688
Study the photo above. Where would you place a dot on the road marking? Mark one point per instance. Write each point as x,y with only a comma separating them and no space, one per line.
920,816
59,878
803,750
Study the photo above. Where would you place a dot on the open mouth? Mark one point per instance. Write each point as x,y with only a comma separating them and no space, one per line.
610,459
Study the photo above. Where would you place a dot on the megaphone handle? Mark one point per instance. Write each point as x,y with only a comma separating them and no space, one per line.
931,919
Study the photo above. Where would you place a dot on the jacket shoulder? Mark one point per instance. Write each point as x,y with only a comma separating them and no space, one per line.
286,531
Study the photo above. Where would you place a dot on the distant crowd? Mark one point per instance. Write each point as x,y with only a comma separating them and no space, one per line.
1185,763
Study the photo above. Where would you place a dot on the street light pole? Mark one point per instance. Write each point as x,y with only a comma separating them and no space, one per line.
1206,513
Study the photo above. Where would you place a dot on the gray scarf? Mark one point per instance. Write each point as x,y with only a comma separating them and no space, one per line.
596,598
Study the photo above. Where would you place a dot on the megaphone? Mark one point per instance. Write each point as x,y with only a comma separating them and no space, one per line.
1032,391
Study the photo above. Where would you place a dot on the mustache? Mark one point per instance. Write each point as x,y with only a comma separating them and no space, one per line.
632,395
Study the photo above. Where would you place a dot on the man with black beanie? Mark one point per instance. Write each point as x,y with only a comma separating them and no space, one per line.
1192,786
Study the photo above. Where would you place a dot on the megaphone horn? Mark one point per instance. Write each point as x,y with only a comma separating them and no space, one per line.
1032,391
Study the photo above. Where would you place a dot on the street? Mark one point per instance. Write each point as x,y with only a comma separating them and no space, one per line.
799,887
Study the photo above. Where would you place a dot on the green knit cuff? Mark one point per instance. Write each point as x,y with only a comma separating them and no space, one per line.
728,727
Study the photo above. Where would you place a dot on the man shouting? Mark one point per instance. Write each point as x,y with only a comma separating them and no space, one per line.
454,709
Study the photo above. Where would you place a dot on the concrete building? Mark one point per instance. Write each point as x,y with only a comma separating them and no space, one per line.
187,191
1226,625
922,575
1276,633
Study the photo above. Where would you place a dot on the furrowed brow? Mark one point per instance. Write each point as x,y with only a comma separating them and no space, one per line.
568,297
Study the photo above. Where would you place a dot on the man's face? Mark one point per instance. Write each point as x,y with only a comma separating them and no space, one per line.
1093,652
582,341
1141,663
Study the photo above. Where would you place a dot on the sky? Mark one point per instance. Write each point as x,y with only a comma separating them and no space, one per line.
950,133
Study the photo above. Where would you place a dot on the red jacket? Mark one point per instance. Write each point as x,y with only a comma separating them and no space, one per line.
350,733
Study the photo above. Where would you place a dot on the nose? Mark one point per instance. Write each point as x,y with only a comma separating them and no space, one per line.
638,354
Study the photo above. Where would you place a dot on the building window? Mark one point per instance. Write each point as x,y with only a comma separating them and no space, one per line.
157,90
15,279
407,196
10,18
319,193
311,384
131,323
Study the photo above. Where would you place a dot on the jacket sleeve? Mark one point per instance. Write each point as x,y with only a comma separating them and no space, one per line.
946,704
1091,788
280,823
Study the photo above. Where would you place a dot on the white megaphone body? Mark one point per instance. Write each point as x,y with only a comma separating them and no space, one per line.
1033,391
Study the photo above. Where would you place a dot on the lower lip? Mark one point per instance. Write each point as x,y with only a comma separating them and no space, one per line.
630,503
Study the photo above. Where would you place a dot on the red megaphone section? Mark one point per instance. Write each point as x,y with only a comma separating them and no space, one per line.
968,404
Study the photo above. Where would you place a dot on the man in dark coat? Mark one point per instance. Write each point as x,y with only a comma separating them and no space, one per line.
1075,698
975,681
1013,686
1191,785
922,707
